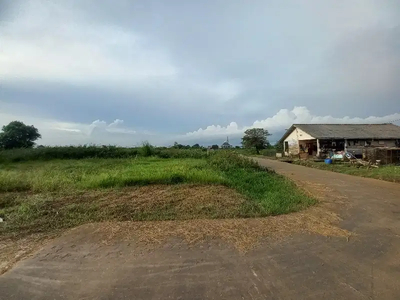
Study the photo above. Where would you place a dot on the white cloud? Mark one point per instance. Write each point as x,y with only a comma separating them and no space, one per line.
284,118
67,129
68,133
100,132
232,128
116,123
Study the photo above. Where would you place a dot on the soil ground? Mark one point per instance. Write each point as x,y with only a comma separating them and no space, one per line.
346,247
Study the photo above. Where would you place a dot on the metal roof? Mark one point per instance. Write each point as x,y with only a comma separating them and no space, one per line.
348,131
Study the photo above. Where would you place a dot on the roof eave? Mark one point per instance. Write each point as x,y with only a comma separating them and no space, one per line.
287,133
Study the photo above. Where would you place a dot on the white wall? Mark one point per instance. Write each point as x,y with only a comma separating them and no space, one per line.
293,141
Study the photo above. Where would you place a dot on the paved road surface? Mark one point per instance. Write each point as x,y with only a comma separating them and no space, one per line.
303,266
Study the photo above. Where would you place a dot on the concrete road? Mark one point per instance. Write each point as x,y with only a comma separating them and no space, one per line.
301,266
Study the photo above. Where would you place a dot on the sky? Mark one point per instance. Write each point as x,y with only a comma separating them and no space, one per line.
123,72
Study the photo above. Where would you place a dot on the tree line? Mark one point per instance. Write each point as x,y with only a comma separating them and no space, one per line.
18,135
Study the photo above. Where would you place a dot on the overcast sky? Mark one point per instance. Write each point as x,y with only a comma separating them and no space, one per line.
121,72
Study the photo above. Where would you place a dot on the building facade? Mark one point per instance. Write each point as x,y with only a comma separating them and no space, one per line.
321,139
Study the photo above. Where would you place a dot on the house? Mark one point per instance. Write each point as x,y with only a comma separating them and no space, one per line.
226,144
322,139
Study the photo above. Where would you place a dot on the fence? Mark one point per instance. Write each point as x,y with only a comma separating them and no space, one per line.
384,155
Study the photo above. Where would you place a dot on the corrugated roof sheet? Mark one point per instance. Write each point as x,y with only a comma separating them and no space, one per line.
351,131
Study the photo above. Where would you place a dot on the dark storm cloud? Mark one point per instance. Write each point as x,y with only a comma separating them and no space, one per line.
178,66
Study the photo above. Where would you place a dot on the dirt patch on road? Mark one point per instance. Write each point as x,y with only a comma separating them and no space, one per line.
243,234
13,250
22,234
182,202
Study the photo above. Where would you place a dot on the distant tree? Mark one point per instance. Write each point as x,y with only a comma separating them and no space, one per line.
196,146
18,135
256,138
279,147
237,147
178,146
215,147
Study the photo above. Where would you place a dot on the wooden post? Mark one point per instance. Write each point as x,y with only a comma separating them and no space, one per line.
318,148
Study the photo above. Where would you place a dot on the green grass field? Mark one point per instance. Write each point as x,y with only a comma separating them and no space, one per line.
40,196
387,173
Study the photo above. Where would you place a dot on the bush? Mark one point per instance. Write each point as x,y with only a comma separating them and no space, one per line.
269,152
91,151
68,152
182,153
147,150
228,160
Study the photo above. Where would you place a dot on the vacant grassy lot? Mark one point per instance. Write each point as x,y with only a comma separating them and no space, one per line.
72,175
388,173
37,197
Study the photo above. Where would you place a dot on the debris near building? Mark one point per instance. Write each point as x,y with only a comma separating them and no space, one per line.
382,156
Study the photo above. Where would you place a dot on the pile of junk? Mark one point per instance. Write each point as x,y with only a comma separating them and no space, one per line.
349,157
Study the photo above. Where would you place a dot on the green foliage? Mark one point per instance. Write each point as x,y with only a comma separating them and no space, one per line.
54,192
268,193
70,175
279,147
18,135
215,147
182,153
387,173
67,152
196,146
271,152
91,151
147,150
228,160
256,138
180,146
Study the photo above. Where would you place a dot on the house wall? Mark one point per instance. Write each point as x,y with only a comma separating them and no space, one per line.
384,143
374,143
293,141
299,137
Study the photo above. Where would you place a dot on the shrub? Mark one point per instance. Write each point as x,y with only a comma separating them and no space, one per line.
182,153
93,151
67,152
269,152
147,150
228,160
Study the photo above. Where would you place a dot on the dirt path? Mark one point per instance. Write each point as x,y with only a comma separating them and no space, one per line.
204,261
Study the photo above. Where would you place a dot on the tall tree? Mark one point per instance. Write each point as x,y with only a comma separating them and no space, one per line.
196,146
256,138
18,135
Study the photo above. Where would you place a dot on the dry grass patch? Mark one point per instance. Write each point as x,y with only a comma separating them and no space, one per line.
40,213
177,202
190,205
242,234
38,218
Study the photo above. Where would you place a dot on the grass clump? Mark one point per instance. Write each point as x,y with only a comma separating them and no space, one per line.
268,192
